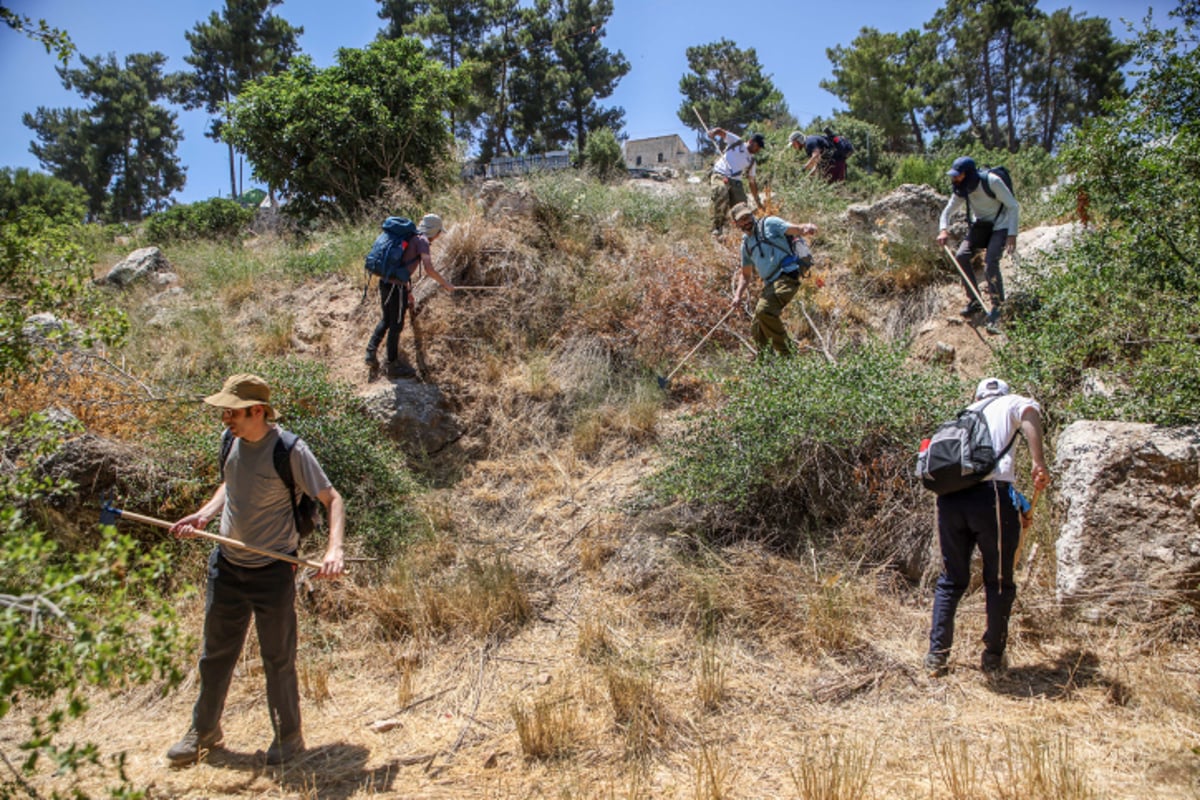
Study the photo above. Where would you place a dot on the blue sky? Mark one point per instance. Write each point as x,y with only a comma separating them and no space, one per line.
790,38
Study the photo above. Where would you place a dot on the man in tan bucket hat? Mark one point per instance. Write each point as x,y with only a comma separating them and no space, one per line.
264,470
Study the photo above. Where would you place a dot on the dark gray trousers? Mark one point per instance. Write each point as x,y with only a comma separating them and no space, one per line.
991,265
232,596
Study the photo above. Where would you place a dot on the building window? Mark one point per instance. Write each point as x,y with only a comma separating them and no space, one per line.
639,161
660,158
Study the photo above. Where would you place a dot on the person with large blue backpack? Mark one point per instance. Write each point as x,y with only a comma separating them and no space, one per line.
399,251
982,509
993,214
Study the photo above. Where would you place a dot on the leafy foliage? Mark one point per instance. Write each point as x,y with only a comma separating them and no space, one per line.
727,87
55,40
243,43
804,442
332,139
215,218
121,148
1120,309
602,156
25,192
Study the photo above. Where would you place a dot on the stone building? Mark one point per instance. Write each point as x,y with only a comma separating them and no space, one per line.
657,152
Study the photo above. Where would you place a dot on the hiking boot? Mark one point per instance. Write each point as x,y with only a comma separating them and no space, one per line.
991,663
193,745
937,664
972,308
371,360
992,321
398,369
282,751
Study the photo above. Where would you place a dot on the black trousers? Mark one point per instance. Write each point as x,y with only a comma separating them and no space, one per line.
393,300
991,264
982,516
234,594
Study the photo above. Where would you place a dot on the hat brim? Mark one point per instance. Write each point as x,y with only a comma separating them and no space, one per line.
229,400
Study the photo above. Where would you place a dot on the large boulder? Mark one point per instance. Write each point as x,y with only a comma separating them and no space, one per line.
143,264
1129,546
416,415
911,210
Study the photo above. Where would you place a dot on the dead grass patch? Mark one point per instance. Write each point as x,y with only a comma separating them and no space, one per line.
427,598
834,768
637,706
547,726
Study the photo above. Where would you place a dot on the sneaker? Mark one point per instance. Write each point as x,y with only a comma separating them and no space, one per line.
972,308
398,369
992,321
991,663
937,664
282,751
371,360
193,745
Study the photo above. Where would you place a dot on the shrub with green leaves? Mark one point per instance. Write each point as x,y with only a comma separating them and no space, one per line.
25,192
1119,310
215,218
602,155
70,620
801,444
367,470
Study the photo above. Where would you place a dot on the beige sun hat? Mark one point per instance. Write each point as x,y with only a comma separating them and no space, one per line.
430,224
243,391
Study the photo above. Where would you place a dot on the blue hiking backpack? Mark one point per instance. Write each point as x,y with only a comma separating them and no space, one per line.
389,257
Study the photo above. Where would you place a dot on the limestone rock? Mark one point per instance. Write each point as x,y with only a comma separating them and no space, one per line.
414,414
1129,546
141,264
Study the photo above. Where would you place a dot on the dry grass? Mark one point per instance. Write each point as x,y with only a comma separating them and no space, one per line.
637,706
548,726
834,768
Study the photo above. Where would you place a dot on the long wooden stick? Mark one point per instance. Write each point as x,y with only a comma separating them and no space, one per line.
162,523
970,283
711,331
479,288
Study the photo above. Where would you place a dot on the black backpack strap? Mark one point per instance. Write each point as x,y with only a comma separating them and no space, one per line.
226,446
282,456
1011,440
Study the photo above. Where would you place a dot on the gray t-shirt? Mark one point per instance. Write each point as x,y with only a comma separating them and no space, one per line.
258,504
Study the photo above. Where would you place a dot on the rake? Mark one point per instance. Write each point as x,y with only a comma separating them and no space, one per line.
110,514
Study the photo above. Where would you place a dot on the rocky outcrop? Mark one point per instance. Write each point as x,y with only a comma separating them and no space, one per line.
416,415
502,202
1129,546
912,210
144,264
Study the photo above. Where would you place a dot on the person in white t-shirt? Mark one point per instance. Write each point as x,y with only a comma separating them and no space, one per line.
986,515
734,166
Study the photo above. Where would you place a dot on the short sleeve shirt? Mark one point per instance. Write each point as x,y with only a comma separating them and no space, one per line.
766,246
258,504
1003,417
736,161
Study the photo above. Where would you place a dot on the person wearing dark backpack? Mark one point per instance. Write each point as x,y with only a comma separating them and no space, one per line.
776,250
993,214
402,256
255,507
985,515
826,154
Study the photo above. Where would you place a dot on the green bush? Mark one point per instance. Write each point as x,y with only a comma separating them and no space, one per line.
1119,310
216,218
602,156
802,443
26,192
367,470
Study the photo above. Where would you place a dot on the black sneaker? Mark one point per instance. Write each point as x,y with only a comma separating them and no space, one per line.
991,663
937,664
371,360
972,308
194,745
398,369
282,751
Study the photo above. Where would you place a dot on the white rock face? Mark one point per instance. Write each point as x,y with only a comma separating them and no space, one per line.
1129,545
